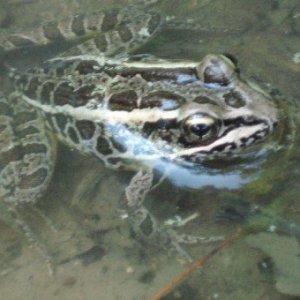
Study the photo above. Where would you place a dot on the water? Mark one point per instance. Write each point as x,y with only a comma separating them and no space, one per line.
95,255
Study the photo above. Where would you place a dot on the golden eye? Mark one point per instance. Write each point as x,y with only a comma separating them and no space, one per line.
200,128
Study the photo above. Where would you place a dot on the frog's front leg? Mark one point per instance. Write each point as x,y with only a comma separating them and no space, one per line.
142,221
145,225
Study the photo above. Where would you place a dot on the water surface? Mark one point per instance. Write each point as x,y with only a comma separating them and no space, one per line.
95,255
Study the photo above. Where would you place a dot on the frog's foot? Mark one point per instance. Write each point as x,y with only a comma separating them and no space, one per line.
144,225
194,239
178,239
178,221
146,230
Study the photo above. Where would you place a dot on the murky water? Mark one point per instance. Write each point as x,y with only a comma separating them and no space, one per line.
94,254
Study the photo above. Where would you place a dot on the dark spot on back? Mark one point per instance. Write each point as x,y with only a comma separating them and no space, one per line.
52,32
126,100
88,66
77,25
86,129
13,154
34,148
162,99
58,65
63,93
110,20
124,33
46,91
204,100
101,43
81,96
73,135
103,146
61,121
31,90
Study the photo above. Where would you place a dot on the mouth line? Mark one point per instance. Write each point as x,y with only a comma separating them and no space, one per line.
232,140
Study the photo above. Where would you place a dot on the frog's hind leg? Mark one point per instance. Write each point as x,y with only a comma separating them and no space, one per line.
121,32
27,155
143,223
27,152
107,32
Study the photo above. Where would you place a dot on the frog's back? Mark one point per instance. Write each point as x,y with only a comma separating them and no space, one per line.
27,153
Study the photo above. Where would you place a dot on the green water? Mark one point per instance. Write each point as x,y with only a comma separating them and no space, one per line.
95,255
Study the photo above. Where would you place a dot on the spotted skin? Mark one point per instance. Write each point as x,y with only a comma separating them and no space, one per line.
126,112
109,32
27,152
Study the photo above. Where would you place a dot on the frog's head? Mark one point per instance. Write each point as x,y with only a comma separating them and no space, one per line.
219,114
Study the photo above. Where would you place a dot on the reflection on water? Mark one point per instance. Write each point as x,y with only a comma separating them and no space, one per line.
94,252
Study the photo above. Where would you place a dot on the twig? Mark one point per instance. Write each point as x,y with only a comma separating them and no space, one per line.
199,263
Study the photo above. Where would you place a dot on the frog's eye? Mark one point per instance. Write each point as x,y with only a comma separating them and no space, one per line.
216,69
200,128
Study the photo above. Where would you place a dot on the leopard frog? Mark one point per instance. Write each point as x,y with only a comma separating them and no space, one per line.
132,111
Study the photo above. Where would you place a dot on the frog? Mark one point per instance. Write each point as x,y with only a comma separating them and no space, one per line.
130,111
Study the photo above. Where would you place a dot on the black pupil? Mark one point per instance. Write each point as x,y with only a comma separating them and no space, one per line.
200,129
